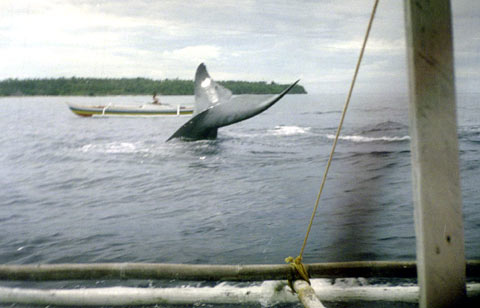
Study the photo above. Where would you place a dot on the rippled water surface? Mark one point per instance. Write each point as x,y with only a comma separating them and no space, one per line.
112,190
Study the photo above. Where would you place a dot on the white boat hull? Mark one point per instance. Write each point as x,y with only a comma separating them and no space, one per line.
148,110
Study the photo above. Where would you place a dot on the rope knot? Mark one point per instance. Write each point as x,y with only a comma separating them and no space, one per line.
299,271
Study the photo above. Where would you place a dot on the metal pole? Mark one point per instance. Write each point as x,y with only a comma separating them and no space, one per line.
434,146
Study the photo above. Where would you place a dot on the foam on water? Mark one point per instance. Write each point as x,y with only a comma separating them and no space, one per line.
358,138
288,130
114,147
278,130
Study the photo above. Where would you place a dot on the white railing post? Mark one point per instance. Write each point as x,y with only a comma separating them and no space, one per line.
434,145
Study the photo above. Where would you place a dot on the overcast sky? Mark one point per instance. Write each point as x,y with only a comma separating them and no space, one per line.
317,41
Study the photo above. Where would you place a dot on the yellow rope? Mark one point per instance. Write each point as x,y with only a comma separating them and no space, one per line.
347,102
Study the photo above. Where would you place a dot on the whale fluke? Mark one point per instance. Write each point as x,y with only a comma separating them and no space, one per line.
216,107
207,91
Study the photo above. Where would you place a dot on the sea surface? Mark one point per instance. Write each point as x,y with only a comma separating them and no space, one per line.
89,190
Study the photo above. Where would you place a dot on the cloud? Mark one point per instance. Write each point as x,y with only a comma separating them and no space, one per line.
195,54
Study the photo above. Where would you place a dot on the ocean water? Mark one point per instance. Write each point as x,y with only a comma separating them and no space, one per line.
80,190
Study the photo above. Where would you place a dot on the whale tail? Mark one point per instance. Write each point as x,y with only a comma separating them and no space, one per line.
207,92
215,107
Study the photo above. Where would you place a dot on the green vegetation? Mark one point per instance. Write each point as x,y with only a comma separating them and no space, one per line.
128,86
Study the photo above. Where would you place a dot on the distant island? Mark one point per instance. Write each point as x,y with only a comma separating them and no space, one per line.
128,86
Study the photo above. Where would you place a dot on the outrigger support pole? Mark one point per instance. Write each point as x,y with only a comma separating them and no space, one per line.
307,295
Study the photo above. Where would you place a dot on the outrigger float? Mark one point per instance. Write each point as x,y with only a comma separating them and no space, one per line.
147,110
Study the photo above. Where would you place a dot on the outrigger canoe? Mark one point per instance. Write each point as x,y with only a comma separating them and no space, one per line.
148,109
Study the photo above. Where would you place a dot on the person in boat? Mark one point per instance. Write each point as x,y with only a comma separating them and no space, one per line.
155,99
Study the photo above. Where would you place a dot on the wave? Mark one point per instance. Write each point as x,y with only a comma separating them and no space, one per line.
321,112
288,130
385,126
362,139
470,134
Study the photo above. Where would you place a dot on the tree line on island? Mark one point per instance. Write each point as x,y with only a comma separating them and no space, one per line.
128,86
